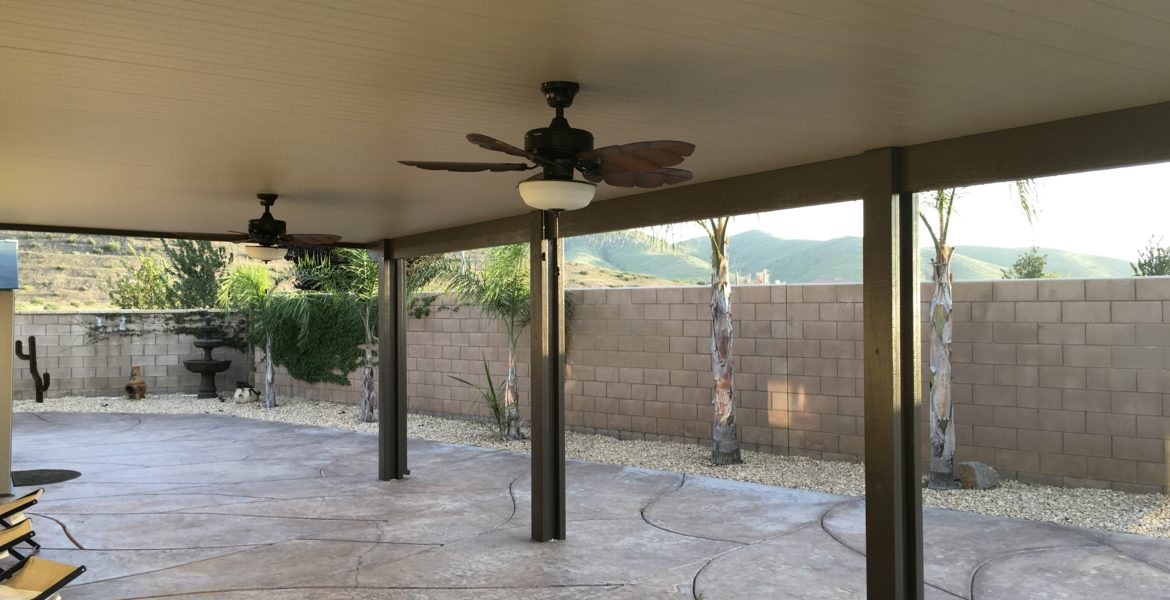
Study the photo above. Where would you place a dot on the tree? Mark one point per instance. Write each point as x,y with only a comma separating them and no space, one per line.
194,269
1154,260
188,277
144,287
500,287
724,443
421,271
350,278
1029,265
248,288
942,411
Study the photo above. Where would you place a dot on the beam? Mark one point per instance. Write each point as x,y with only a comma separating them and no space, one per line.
792,187
1121,138
893,501
510,230
170,235
548,380
141,233
1132,136
391,363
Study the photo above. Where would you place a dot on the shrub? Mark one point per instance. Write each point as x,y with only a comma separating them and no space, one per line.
1154,260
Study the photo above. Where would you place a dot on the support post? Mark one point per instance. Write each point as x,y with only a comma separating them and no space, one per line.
893,512
548,380
9,281
7,342
391,365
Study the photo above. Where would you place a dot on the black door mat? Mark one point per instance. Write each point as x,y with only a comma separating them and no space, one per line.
42,476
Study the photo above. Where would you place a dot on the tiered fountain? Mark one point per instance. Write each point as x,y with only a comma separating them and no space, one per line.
208,338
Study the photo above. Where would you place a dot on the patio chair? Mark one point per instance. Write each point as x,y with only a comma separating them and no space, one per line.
36,579
21,533
12,512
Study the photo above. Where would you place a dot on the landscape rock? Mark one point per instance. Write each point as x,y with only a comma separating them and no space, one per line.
974,475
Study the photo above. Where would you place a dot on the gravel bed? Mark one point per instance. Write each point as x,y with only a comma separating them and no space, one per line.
1147,514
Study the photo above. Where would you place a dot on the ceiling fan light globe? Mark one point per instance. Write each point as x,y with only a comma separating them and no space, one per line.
265,253
557,194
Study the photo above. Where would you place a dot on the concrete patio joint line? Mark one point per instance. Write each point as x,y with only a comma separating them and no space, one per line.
1014,553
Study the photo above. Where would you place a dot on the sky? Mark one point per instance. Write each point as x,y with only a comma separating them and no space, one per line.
1107,213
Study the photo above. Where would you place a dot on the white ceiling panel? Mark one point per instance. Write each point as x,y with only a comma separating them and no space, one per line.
169,115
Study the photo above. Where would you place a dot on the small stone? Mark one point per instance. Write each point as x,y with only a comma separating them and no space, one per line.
974,475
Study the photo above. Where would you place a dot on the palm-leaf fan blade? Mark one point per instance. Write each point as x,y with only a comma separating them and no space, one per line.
642,179
466,167
639,156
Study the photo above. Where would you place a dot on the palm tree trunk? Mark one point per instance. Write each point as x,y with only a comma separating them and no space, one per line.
269,375
368,414
942,411
510,405
725,445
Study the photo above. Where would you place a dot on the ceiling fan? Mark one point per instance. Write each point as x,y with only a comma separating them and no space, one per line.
559,150
270,236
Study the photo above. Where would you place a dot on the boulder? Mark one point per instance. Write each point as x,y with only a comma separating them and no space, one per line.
974,475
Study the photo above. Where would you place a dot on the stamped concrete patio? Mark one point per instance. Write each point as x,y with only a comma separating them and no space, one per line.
207,506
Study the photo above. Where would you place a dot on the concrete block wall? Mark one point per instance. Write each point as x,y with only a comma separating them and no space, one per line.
326,392
455,340
1066,381
81,367
1063,381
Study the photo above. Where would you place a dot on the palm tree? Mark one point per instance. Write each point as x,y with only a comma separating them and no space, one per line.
942,410
347,278
724,443
501,290
247,288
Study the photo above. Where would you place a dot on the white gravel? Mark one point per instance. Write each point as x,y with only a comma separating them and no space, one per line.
1147,514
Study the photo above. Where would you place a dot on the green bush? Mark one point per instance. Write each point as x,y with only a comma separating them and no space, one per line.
187,277
1154,260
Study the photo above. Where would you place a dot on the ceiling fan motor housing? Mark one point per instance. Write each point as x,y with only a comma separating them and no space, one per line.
559,141
267,230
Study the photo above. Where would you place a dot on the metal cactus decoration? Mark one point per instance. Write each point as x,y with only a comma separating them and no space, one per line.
40,380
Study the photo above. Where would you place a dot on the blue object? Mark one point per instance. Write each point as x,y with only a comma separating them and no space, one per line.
8,271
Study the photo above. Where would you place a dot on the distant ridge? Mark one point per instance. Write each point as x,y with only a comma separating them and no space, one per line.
805,261
65,271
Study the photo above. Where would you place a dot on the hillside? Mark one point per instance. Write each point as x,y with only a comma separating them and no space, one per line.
65,271
62,271
637,253
805,261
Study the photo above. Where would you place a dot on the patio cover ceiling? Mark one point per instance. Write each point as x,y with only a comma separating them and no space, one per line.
170,115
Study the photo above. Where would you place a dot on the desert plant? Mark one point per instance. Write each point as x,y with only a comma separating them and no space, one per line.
491,397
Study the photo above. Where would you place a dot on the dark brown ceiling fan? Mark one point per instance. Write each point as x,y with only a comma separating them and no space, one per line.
267,230
559,150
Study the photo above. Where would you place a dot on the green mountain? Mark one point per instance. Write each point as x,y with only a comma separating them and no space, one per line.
637,253
804,261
